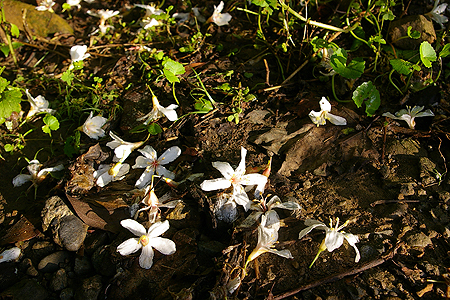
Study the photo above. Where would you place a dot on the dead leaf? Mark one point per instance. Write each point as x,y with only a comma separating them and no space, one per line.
23,230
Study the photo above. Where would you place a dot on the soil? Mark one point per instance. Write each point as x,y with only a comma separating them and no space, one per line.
373,172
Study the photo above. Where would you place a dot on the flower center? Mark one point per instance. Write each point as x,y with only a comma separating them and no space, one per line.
143,240
235,179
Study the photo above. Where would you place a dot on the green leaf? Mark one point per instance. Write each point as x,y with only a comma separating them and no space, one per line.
427,54
203,105
413,34
388,16
369,94
51,121
68,77
9,101
154,129
445,51
338,62
9,147
172,69
3,84
403,67
15,30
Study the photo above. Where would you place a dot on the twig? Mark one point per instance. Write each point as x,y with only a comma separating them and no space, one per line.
392,201
267,72
367,266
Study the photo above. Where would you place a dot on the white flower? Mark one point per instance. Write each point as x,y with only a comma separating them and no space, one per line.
37,175
153,164
37,105
122,149
321,117
158,111
105,173
267,237
147,241
10,254
45,5
93,126
333,238
74,3
409,114
103,14
150,11
437,13
152,204
184,17
78,53
219,18
235,178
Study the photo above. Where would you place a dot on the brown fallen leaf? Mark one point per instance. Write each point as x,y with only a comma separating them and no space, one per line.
23,230
426,289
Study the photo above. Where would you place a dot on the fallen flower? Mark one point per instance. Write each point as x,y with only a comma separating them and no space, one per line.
333,238
261,207
235,178
37,175
158,111
321,117
10,254
188,17
92,127
38,105
78,53
437,13
45,5
150,11
153,164
122,149
409,114
105,173
267,237
147,241
219,18
103,14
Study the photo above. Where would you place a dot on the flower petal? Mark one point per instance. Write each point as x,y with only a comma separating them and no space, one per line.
135,227
311,225
169,155
352,240
10,254
146,257
253,179
336,120
224,168
160,170
21,179
215,184
240,170
283,253
129,246
158,228
241,197
333,240
149,152
169,112
325,105
145,178
163,245
142,162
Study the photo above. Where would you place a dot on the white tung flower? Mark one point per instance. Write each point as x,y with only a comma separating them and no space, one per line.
147,241
37,105
78,53
321,117
437,13
122,149
150,11
10,254
409,114
267,237
45,5
188,17
37,175
92,127
103,14
74,3
235,178
219,18
158,111
333,238
107,173
153,164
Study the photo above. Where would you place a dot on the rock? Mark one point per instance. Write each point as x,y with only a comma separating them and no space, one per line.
101,260
407,189
59,280
427,167
418,240
41,249
398,31
67,229
51,262
406,146
257,116
82,265
8,275
28,289
89,289
27,266
66,294
94,240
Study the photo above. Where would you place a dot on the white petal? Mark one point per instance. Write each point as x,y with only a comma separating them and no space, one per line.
352,240
253,179
389,115
145,178
272,220
135,227
146,257
241,197
336,120
149,152
129,246
283,253
317,118
288,205
10,254
215,184
160,170
333,240
240,170
170,204
104,179
21,179
158,228
169,155
163,245
116,142
142,162
124,169
169,112
311,225
325,105
427,113
224,168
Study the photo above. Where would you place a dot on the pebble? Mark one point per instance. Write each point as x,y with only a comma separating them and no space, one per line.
101,260
66,294
59,280
28,289
89,289
82,265
51,262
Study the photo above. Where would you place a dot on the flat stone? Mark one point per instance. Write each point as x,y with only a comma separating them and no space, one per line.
257,116
59,280
51,262
28,289
398,31
66,294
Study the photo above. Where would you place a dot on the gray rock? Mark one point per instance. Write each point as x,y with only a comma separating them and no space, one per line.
41,249
398,30
66,294
101,260
90,288
82,265
28,289
59,280
420,240
51,262
67,229
257,116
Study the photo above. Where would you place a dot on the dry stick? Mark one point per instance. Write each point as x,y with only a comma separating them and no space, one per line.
287,79
370,265
392,201
267,72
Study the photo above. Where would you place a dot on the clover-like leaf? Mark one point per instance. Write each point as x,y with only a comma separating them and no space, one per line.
403,67
445,51
172,69
427,54
338,62
10,98
369,94
154,129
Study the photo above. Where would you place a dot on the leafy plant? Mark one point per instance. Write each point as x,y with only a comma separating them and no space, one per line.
367,93
51,124
10,98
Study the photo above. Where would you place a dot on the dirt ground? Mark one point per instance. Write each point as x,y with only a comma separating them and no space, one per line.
374,172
